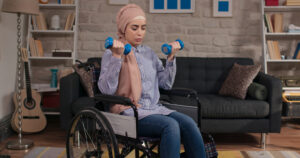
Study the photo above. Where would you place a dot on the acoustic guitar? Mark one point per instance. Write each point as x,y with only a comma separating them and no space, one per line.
33,118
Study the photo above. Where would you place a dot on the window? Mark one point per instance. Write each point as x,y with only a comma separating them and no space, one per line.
222,8
172,6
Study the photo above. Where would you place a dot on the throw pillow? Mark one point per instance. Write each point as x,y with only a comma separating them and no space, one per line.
89,73
238,80
257,91
86,79
96,74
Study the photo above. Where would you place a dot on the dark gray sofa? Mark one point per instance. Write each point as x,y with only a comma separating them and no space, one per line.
219,114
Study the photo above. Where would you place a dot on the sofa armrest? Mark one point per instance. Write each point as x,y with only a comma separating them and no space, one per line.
274,98
70,90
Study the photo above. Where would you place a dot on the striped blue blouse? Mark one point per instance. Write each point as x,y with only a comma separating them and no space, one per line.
153,75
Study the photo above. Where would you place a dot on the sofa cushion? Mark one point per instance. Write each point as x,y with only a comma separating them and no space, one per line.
238,80
205,75
216,106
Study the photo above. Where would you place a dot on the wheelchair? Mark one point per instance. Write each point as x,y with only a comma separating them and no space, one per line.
94,132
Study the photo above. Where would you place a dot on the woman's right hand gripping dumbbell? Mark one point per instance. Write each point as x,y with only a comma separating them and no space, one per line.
117,47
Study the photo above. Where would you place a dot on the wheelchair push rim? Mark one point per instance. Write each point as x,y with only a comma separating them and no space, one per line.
91,135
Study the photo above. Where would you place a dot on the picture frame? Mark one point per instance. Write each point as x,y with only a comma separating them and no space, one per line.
118,2
222,8
172,6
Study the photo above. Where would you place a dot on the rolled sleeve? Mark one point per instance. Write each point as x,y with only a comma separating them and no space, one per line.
109,76
166,76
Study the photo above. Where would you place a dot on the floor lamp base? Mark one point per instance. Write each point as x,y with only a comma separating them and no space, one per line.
19,145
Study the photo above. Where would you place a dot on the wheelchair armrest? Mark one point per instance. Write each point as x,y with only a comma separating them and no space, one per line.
113,99
191,111
185,92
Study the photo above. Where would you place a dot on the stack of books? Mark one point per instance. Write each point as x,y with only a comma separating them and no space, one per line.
39,22
292,2
294,29
278,22
274,22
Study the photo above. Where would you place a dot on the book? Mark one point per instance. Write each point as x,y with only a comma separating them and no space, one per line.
266,23
269,22
39,48
69,22
277,50
273,49
61,53
41,21
272,2
278,22
294,31
292,2
296,53
270,49
34,23
32,47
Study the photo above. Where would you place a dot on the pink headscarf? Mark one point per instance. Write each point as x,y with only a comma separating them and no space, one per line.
130,84
126,15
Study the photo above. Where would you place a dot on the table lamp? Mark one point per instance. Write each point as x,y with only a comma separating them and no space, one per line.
20,7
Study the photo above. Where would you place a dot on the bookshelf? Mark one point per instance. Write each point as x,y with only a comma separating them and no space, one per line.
43,39
52,31
283,43
281,8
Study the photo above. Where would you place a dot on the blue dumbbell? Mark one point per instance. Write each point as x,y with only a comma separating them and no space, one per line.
167,49
109,43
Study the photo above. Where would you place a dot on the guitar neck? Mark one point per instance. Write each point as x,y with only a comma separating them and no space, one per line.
28,83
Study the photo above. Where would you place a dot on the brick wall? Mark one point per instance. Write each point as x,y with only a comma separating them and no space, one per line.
204,35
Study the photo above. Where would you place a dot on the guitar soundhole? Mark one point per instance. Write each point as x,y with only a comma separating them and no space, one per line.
29,103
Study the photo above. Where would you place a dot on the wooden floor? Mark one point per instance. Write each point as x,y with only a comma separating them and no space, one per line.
288,139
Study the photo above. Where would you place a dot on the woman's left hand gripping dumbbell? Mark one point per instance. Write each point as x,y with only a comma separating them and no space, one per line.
171,48
117,47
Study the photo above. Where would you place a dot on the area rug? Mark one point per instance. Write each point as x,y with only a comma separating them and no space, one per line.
46,152
55,152
258,154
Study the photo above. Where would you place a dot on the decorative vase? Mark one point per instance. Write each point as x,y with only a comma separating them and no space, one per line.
55,22
53,83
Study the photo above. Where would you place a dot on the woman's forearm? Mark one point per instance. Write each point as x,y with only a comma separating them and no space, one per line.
110,69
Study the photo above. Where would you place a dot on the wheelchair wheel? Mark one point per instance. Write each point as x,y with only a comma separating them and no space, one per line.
91,136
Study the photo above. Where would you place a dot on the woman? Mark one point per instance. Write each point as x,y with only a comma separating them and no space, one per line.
138,76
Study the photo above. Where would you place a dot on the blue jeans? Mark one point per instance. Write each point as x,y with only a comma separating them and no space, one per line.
172,129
